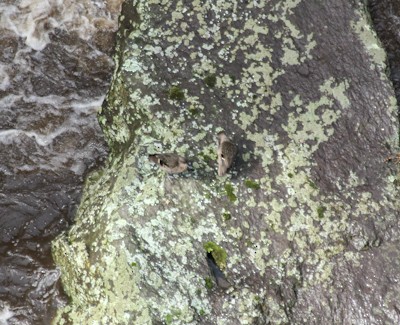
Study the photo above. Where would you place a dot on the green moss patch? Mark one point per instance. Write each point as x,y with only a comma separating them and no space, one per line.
210,80
312,184
193,110
168,319
208,283
321,211
176,93
229,192
226,216
251,184
218,253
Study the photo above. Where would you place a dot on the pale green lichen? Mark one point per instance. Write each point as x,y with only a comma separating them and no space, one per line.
369,39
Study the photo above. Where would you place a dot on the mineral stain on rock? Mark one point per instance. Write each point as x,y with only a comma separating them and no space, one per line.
315,113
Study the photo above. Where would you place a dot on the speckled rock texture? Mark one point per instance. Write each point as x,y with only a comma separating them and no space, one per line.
307,216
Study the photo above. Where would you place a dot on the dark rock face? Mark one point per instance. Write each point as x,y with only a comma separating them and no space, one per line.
307,216
385,16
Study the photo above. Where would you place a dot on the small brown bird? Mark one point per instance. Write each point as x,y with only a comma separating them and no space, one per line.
170,162
226,153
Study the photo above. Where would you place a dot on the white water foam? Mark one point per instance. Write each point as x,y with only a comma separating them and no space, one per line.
4,77
46,156
5,314
34,20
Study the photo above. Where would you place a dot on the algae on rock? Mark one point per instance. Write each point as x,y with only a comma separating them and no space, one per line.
308,197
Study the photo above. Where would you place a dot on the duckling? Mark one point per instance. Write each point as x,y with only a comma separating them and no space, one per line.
226,153
170,162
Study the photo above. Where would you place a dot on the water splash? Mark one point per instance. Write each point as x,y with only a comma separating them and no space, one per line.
35,20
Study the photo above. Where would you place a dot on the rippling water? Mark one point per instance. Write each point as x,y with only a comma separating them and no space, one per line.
55,66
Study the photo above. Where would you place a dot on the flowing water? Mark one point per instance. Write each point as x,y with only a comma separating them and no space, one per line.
55,69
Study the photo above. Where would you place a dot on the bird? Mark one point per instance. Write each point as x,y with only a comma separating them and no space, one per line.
172,163
226,153
219,276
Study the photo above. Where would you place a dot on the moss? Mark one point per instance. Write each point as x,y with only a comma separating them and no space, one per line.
133,264
249,243
168,319
193,110
176,93
202,312
208,196
218,253
312,184
320,211
208,283
229,192
290,175
205,157
210,80
251,184
226,216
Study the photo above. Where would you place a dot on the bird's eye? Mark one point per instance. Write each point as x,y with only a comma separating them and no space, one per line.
222,156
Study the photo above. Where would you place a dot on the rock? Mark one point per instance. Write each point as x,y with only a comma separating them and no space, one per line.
307,216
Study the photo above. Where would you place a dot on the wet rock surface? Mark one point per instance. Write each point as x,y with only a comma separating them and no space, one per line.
53,79
385,17
306,221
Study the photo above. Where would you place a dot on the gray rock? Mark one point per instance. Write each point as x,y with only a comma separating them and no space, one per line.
307,216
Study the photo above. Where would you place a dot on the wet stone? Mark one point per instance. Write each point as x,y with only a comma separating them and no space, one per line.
8,45
53,79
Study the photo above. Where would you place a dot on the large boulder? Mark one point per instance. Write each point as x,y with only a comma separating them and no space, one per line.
306,222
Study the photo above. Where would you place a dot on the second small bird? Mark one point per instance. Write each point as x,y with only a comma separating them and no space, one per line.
170,162
226,153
